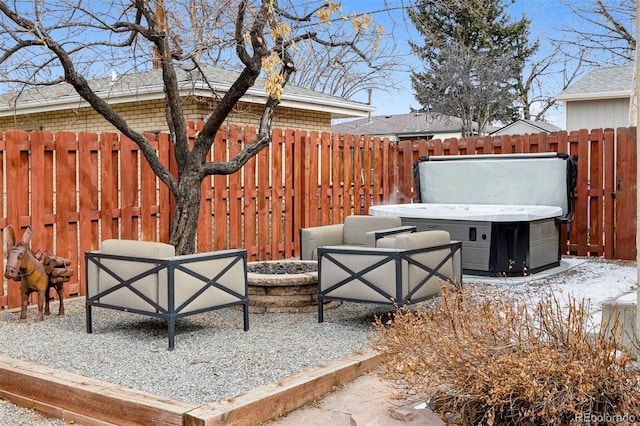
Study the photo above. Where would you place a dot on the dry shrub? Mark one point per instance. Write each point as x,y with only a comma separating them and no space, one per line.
484,358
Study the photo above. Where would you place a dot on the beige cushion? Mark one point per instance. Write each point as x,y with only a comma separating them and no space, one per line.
356,227
150,286
190,293
186,285
415,240
148,249
357,230
386,242
383,277
318,236
422,239
412,274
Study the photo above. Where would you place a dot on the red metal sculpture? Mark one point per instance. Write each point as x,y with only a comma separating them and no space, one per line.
37,272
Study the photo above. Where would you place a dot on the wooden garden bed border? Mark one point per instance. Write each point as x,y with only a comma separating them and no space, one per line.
89,401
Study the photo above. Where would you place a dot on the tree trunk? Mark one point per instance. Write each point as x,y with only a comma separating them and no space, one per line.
185,220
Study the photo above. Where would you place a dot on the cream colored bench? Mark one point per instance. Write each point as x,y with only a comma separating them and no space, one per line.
147,278
407,268
357,230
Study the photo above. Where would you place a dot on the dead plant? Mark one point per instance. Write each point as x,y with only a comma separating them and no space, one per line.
481,357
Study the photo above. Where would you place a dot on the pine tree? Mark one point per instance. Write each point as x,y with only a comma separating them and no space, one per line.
473,54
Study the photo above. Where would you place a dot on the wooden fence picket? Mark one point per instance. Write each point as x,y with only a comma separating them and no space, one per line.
625,188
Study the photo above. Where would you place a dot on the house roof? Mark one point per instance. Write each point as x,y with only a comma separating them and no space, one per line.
412,124
536,126
601,83
147,85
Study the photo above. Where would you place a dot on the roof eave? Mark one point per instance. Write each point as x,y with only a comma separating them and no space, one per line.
75,101
337,108
593,96
427,132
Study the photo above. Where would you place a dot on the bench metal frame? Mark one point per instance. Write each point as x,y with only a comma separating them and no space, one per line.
382,256
171,313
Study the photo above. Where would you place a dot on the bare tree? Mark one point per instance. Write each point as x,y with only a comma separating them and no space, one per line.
604,30
341,72
50,42
534,84
602,33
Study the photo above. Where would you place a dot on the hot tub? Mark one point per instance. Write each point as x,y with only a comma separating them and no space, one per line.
495,238
507,210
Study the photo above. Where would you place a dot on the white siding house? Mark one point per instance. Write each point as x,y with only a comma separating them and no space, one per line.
600,100
521,127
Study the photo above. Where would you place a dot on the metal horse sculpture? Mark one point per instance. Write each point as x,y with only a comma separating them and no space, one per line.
23,266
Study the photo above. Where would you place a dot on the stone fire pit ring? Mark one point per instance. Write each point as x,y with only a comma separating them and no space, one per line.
289,286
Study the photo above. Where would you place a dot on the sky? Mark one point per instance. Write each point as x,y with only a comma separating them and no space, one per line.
547,16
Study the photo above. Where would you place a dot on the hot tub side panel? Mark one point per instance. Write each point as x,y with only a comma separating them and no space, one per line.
490,248
474,235
544,244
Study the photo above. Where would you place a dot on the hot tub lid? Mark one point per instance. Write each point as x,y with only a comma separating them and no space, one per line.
471,212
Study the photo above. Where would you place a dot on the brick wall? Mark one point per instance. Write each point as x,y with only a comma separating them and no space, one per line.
149,116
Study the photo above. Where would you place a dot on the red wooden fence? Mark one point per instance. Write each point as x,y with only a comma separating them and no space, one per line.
76,190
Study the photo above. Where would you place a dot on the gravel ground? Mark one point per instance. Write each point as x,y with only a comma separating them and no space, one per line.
213,357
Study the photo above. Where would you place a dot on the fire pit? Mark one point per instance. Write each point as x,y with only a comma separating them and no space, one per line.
284,286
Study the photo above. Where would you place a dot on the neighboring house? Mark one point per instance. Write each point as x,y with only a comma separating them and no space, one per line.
521,126
139,98
399,127
600,100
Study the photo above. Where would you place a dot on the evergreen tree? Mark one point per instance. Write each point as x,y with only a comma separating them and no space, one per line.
473,55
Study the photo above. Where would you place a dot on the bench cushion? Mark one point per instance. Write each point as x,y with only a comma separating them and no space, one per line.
149,286
356,228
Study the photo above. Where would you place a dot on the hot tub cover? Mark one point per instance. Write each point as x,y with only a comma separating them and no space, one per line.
471,212
540,179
